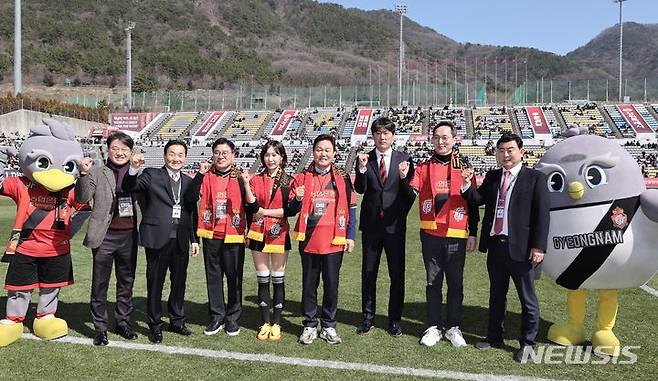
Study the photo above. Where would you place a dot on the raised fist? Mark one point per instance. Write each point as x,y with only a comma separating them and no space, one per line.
85,165
467,174
245,177
137,160
204,168
299,192
363,160
404,169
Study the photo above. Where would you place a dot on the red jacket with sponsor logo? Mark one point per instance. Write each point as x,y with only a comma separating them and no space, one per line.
46,239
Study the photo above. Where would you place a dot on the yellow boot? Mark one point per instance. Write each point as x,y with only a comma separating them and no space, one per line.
604,340
571,332
10,331
50,327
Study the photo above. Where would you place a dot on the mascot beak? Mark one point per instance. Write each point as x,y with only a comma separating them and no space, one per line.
576,190
53,179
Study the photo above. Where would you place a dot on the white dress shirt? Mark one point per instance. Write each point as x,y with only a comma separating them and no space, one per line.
514,174
387,160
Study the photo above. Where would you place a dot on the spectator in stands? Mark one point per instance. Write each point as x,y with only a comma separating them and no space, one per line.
326,227
269,239
112,240
383,221
448,229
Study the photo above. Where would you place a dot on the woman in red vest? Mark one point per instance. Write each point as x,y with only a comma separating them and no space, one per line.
326,227
448,228
226,198
269,238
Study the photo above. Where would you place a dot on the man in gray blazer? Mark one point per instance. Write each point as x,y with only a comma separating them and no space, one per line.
112,234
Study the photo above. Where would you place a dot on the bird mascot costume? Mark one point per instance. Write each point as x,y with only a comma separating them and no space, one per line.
39,250
602,234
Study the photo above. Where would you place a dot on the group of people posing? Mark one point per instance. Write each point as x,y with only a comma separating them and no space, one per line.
223,210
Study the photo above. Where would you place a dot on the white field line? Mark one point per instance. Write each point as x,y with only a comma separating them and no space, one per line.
298,361
650,290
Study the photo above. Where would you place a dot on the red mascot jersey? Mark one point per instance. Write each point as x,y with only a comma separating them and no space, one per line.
51,237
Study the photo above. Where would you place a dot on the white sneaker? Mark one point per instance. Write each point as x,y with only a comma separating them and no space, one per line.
330,336
431,337
308,335
455,337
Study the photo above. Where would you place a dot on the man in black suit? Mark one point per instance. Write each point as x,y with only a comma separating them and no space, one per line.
168,226
514,233
383,222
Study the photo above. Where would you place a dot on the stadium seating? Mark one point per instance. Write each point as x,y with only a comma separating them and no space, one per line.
587,115
490,122
246,124
177,125
323,121
454,114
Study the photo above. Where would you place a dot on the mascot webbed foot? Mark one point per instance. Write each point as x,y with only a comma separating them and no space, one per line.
566,334
50,327
10,331
605,342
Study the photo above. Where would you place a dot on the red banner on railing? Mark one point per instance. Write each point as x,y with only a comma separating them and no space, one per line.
651,182
282,124
537,120
362,122
209,123
634,118
134,121
419,138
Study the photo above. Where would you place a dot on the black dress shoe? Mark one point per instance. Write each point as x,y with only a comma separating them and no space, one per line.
101,338
180,329
365,327
125,331
525,354
155,335
394,329
488,344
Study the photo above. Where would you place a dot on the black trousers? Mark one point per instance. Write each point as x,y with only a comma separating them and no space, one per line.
373,242
443,257
118,247
314,265
224,259
158,261
501,268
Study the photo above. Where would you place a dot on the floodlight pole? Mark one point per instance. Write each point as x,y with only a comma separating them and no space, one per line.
621,44
129,74
401,9
18,77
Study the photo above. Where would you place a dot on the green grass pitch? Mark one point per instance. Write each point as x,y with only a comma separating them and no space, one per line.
28,359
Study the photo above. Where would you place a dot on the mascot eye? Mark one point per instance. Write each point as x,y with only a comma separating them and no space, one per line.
556,182
595,176
70,167
43,162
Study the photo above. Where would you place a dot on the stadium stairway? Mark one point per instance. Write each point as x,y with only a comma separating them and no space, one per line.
468,116
515,122
608,119
305,159
221,132
560,118
652,112
341,124
259,134
157,125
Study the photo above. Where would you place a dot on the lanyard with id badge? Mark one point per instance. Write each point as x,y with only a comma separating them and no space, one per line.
176,209
125,206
